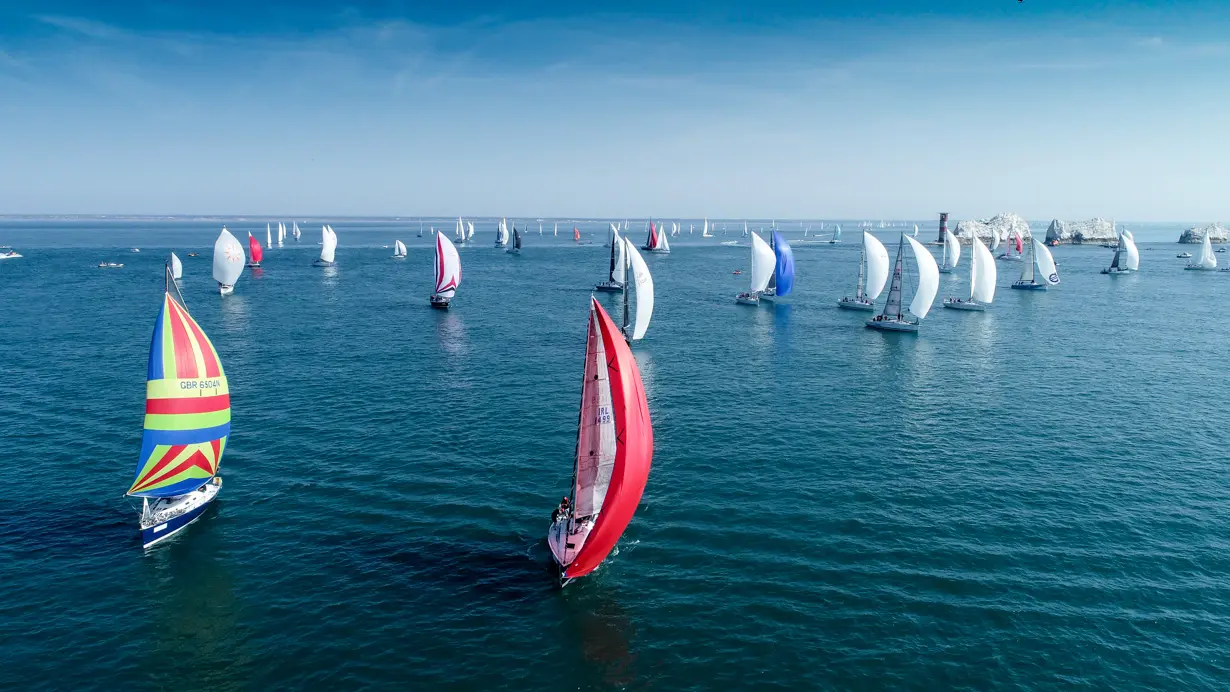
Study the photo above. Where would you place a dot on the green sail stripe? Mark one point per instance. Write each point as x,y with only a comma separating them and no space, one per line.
187,421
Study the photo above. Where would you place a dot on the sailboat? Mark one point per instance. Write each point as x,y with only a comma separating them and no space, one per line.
763,264
633,327
420,229
746,233
617,272
460,232
782,280
399,250
651,242
228,262
614,452
177,268
982,276
539,229
296,233
557,228
952,252
255,254
576,234
870,282
187,423
501,233
516,248
328,247
1206,260
1014,242
281,233
915,231
470,235
268,237
705,231
448,272
1127,258
1038,263
836,235
893,319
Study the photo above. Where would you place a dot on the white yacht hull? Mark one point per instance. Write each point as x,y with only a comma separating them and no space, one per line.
11,256
225,290
893,325
854,304
743,299
955,304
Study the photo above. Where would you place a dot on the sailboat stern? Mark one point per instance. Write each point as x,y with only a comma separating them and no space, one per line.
166,517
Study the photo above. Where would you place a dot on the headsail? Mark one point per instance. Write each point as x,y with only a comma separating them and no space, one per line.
187,407
877,265
177,268
328,243
644,291
928,279
1046,263
228,259
952,250
448,267
633,435
1133,255
982,274
783,272
254,248
763,262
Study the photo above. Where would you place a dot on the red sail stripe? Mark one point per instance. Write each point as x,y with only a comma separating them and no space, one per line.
196,459
196,404
212,367
633,450
185,358
166,458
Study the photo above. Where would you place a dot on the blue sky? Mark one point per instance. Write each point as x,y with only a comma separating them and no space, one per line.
871,109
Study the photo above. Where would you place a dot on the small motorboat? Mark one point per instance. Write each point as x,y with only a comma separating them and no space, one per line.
1184,255
135,249
8,253
194,254
1220,249
110,265
737,271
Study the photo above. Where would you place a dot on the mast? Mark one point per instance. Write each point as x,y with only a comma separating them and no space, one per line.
627,275
859,291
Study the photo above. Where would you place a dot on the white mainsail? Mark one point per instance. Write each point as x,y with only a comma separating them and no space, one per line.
663,245
281,233
471,234
982,274
928,279
763,263
399,248
620,271
877,266
328,243
994,240
268,237
952,250
177,268
228,259
644,290
296,231
596,438
1045,262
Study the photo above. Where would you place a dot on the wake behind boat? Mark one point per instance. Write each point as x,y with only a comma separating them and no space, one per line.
613,457
187,423
7,252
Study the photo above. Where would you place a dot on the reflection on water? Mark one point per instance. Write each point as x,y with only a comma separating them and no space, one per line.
234,313
451,332
258,273
761,329
329,280
196,618
603,632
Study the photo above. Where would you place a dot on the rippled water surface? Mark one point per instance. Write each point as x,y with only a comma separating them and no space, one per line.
1034,497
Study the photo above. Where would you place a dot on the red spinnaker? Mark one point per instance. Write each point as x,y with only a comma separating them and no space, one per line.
633,449
254,248
652,243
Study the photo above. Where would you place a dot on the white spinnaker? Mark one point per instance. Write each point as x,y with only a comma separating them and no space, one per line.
663,244
1133,255
1206,259
952,247
877,266
1045,263
620,272
328,244
763,263
644,290
982,274
177,267
928,279
448,267
596,437
228,259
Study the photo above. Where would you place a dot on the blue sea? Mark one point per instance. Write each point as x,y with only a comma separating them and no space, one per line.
1034,497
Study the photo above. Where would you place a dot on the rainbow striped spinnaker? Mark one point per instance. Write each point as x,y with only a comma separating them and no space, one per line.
187,406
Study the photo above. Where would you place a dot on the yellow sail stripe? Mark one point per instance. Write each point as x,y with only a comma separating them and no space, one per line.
168,343
156,461
196,348
186,421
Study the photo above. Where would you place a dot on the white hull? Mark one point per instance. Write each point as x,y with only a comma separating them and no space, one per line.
564,545
853,304
893,325
166,517
10,256
225,290
1200,269
955,304
744,299
1006,258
